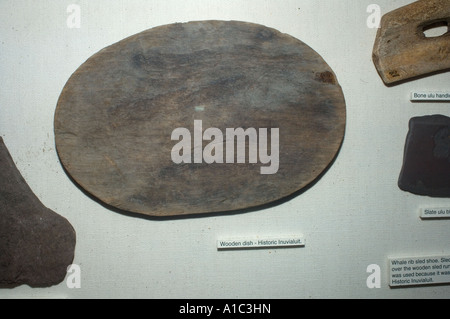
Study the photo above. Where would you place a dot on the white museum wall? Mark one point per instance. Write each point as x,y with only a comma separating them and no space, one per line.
354,216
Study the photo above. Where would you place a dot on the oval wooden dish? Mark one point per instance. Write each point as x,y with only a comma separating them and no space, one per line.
199,117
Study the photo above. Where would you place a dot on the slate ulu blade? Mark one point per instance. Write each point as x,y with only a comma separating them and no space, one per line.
426,166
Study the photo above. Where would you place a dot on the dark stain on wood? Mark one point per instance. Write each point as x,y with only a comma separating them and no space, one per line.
326,77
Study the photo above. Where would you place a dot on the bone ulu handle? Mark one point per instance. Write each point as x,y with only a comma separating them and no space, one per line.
402,51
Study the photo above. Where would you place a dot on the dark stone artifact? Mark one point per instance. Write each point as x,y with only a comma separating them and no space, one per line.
36,244
200,117
403,51
426,166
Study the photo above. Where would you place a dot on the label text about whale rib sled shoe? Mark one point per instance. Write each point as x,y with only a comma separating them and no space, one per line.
419,271
261,242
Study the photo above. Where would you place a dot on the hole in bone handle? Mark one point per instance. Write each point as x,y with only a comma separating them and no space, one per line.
435,29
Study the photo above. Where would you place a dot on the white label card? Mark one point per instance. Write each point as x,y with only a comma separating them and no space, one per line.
260,242
430,96
419,271
426,213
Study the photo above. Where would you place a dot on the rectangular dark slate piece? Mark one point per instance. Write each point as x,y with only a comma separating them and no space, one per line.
426,164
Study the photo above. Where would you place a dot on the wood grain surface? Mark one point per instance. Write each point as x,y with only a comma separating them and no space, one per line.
116,114
402,51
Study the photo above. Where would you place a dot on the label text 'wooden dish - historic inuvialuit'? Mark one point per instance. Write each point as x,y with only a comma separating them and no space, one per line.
200,117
